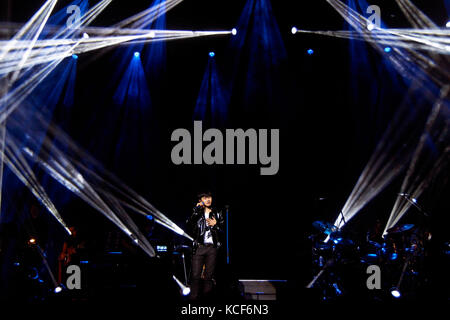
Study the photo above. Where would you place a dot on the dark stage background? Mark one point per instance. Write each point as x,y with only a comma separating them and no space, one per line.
328,131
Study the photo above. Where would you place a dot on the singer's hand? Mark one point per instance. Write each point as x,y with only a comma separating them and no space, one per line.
211,222
200,204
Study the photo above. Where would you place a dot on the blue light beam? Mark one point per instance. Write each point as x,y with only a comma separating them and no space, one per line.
212,101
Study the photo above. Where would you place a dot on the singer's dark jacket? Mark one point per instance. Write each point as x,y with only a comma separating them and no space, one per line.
197,227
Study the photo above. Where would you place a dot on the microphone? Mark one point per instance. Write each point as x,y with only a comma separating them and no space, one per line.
201,205
198,207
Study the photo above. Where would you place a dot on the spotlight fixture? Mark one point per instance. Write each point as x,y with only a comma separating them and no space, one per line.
387,49
185,290
212,54
137,54
234,31
370,26
395,293
447,25
58,289
294,30
310,52
74,56
32,241
85,36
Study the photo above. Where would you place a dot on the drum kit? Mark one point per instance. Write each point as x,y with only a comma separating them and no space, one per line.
400,250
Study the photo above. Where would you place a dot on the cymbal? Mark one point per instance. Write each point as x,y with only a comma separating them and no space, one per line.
401,228
325,227
343,241
375,244
320,225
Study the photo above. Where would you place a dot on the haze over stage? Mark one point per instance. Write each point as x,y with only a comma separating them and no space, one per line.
348,117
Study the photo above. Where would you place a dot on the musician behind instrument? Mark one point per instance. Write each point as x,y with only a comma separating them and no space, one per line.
72,249
376,232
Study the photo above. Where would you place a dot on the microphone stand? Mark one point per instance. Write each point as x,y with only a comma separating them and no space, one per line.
227,233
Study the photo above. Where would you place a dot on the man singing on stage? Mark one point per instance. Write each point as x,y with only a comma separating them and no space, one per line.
206,226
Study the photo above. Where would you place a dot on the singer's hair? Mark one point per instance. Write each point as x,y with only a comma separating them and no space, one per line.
204,194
